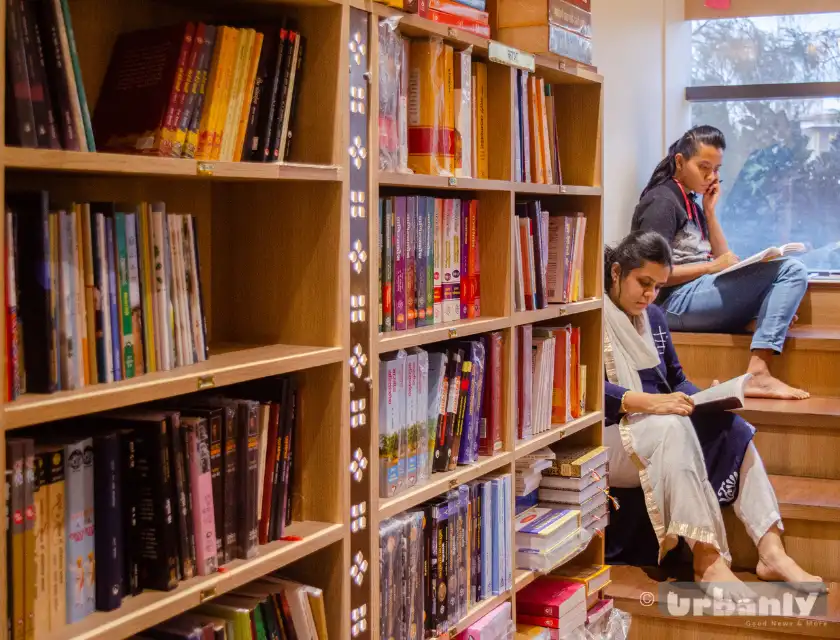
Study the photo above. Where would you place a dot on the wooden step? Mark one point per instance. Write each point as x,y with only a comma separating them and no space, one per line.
811,516
636,592
811,355
798,437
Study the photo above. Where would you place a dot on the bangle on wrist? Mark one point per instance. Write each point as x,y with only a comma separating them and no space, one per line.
623,408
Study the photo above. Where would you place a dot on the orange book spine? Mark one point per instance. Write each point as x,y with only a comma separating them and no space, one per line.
229,92
426,105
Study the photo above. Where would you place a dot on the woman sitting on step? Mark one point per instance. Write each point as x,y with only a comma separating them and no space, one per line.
697,297
681,467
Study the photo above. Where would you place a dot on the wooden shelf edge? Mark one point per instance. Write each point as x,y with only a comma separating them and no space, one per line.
152,607
527,188
524,447
477,612
522,578
554,311
124,164
389,507
218,371
394,340
422,181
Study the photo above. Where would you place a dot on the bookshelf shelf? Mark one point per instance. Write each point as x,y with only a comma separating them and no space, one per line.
441,482
119,164
151,607
522,578
554,311
418,181
232,366
529,188
448,330
557,432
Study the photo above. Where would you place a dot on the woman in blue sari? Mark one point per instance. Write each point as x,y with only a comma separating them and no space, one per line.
683,467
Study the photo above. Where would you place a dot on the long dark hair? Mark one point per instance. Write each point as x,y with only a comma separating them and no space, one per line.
632,252
687,146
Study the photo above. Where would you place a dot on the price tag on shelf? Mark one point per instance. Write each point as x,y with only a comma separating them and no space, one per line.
503,54
205,382
205,168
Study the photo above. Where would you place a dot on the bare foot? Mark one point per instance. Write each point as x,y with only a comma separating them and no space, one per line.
780,567
764,385
716,578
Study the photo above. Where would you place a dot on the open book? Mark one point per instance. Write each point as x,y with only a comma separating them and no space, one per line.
772,253
727,396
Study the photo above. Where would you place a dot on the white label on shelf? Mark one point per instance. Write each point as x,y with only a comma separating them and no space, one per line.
504,54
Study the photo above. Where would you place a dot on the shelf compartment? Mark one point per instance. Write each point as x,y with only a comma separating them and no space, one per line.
556,433
123,164
225,368
153,607
439,483
394,340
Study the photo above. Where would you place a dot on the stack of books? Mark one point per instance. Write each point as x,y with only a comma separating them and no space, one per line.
446,131
429,271
496,625
550,381
99,292
201,91
536,155
559,27
438,409
466,15
142,498
46,106
528,477
271,607
551,603
443,558
577,479
595,578
546,537
549,260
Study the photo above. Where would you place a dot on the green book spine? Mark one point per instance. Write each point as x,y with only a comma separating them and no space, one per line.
126,326
259,625
77,71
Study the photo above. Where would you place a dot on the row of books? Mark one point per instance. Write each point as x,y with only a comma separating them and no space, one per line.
566,603
548,257
271,607
536,138
46,106
114,504
550,380
443,558
217,92
438,409
429,271
99,292
433,115
467,15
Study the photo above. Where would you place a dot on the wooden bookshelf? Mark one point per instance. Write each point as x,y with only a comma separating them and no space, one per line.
279,290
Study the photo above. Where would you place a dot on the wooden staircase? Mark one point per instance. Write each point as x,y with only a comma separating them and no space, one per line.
800,445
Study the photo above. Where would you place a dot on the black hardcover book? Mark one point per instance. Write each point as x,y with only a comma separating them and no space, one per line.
178,471
461,410
266,121
57,77
215,422
128,476
534,211
249,451
443,445
278,141
295,93
20,114
157,534
288,454
268,55
31,213
229,484
38,90
186,452
109,548
278,491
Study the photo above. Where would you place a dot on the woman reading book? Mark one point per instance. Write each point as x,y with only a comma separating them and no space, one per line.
666,462
697,296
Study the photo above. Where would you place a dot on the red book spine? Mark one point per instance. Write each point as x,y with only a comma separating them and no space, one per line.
459,22
466,284
268,477
575,372
522,618
492,439
176,97
473,264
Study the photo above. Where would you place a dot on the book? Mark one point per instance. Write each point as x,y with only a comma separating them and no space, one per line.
726,396
550,599
769,254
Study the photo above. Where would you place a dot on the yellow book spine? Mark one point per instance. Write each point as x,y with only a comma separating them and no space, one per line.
447,151
57,551
222,96
148,298
481,121
211,88
533,116
42,592
425,104
234,67
245,112
544,150
243,66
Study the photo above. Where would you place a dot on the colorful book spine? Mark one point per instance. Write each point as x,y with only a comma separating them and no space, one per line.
421,256
411,262
438,247
113,301
466,290
387,233
431,206
400,310
201,486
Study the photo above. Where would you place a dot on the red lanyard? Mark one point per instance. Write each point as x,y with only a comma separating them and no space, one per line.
689,209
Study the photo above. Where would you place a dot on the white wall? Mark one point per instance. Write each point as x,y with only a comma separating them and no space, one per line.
629,46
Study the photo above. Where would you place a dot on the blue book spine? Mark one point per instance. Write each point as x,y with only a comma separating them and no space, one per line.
508,554
496,541
487,539
112,299
481,5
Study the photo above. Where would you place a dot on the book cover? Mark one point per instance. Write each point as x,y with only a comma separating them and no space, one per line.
248,447
400,266
412,422
463,114
108,541
410,249
421,267
429,243
41,578
16,500
181,488
438,249
482,141
130,569
79,518
426,107
386,207
201,486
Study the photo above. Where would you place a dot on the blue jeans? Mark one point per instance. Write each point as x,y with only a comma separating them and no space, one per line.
768,292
